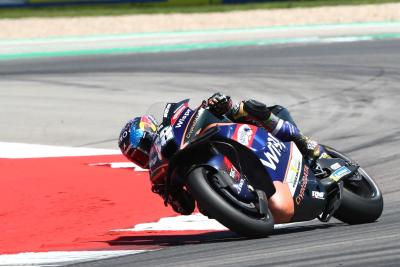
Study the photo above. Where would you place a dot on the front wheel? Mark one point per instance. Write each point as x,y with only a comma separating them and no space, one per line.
362,200
198,182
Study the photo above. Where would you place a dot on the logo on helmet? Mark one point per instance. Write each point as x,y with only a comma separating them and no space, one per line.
146,123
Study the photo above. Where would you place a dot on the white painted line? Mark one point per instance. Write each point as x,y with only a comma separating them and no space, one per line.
194,222
120,165
19,150
58,258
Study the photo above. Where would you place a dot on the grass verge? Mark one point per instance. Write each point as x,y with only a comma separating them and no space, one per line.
126,9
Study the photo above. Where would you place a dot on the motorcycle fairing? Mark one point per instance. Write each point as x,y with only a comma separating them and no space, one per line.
237,183
157,163
165,141
273,154
172,111
309,197
201,120
181,123
294,168
283,162
277,160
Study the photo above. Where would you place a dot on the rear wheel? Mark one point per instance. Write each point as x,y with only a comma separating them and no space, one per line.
219,208
362,200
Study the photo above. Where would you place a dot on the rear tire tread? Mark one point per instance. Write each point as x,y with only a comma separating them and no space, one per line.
355,209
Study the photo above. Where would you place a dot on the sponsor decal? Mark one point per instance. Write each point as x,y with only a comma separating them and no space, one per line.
182,119
166,111
232,173
303,187
318,195
244,134
165,135
335,166
124,135
177,113
124,141
193,124
275,149
339,173
239,186
231,170
294,169
147,123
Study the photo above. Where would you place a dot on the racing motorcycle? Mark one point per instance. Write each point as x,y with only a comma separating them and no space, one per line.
229,168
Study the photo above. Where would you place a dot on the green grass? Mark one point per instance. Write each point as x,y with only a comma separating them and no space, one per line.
124,9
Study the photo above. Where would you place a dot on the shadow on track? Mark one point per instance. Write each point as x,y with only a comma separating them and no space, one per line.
174,239
165,240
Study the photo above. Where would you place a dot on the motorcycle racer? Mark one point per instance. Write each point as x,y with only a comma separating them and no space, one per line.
137,135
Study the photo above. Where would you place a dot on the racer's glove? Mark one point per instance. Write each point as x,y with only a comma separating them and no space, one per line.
219,104
180,200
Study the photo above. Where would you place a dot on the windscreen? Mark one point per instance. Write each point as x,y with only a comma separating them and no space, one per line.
156,110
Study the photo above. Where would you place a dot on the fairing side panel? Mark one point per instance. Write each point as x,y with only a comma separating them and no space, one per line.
273,154
239,183
282,162
309,198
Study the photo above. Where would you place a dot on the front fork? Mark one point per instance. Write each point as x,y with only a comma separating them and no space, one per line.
234,185
335,172
334,199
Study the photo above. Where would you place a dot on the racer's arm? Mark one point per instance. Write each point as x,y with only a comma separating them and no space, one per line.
254,111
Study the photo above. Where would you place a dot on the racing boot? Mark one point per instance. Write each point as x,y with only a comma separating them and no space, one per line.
252,110
310,147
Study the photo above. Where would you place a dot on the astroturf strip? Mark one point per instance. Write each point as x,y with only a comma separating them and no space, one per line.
104,37
198,46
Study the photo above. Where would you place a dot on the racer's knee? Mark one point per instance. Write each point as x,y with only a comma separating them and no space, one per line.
281,203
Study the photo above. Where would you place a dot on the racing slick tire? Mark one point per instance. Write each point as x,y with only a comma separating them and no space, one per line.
362,201
221,210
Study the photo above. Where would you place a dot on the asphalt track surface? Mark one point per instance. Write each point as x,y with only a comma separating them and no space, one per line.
344,95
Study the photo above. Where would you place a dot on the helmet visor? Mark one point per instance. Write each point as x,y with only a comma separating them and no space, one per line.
140,155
